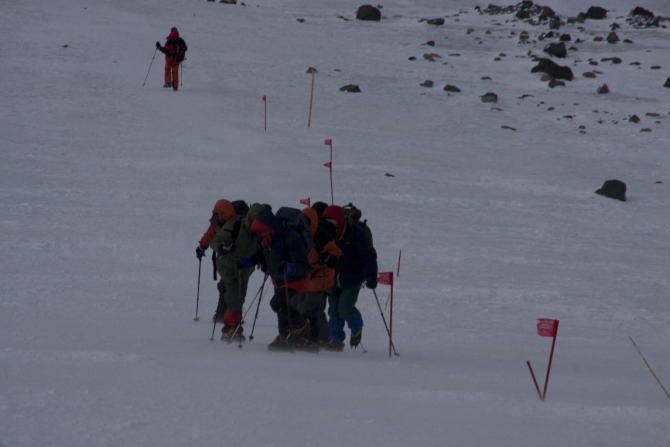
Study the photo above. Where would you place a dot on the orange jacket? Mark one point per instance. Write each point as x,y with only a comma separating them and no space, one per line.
225,211
322,242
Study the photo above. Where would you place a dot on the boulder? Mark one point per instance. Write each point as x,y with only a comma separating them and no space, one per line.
489,97
634,119
565,38
667,83
596,13
368,12
438,21
612,37
350,88
556,49
451,88
553,69
523,15
426,83
555,23
589,74
603,89
614,189
640,11
554,83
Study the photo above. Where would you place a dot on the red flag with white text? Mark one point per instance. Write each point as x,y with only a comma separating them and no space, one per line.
546,327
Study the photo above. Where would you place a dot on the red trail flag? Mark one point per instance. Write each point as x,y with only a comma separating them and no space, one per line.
305,202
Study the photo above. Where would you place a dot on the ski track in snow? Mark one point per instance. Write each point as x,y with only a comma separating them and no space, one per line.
106,187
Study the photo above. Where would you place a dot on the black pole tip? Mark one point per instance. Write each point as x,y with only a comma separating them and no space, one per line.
196,319
211,339
395,353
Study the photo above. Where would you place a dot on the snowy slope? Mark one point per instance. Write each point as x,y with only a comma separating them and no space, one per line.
106,187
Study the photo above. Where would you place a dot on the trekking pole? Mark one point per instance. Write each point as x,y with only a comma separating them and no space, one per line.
214,265
152,62
197,296
223,278
239,294
181,78
364,350
385,325
288,306
261,290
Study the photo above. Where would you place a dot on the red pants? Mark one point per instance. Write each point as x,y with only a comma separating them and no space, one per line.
172,73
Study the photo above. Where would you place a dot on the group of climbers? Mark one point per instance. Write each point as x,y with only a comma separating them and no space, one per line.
324,257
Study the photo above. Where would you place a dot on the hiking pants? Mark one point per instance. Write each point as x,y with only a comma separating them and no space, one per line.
312,306
172,73
287,317
342,304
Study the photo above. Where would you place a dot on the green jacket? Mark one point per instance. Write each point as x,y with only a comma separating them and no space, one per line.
246,244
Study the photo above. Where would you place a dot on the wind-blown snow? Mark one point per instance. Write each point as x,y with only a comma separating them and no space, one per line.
106,187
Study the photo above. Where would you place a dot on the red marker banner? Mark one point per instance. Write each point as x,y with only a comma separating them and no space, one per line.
329,142
329,165
545,328
305,202
385,278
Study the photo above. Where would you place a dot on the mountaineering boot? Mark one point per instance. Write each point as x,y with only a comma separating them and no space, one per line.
167,85
297,333
228,334
333,345
307,343
280,344
356,338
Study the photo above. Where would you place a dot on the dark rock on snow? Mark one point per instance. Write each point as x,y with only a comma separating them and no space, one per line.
553,69
426,83
489,97
667,83
556,49
596,13
612,37
589,74
565,38
640,11
634,119
451,88
554,83
438,21
614,189
350,88
603,89
368,12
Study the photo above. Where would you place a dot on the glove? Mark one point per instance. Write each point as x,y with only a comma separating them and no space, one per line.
200,252
328,260
223,250
263,265
371,283
158,44
245,263
289,269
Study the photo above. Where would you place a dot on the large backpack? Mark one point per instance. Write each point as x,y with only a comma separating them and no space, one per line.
297,220
353,215
179,50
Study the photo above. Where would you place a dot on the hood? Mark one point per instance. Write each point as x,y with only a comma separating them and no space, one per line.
320,207
251,214
313,220
267,217
335,212
174,34
224,208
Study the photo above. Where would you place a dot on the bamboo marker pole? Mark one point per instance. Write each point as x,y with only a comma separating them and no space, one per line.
311,98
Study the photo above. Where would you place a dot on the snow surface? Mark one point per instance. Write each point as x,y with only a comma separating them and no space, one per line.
107,185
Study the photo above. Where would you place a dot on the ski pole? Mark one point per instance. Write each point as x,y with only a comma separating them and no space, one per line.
385,325
223,278
288,307
197,296
261,290
214,265
239,294
152,62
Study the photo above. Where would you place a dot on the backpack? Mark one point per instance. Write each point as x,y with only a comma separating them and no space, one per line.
353,215
295,219
179,51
